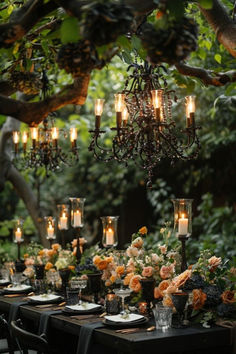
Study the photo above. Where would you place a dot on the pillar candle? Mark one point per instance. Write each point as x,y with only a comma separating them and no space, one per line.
183,225
18,234
110,236
63,221
77,218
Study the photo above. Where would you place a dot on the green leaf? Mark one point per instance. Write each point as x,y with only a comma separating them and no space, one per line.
136,43
217,58
124,42
127,57
70,30
206,4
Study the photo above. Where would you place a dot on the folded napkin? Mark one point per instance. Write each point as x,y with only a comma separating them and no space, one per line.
14,310
85,342
44,320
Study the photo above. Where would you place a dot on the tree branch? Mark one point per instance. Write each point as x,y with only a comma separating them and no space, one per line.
6,88
208,77
24,19
34,112
222,24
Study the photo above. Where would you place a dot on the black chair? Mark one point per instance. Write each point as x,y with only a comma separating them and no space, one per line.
27,340
6,345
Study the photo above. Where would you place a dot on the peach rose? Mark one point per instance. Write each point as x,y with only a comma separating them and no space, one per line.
51,253
166,271
147,272
29,261
48,265
130,266
74,242
84,276
120,270
199,298
71,267
132,251
109,259
167,301
182,278
163,249
228,297
155,258
171,289
163,286
138,242
143,230
127,279
41,253
113,278
108,282
214,262
157,293
233,270
135,284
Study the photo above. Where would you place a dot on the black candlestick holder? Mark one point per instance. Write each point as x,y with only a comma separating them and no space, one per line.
78,251
183,239
18,250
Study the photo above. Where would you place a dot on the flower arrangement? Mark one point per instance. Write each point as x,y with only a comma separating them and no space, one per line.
210,283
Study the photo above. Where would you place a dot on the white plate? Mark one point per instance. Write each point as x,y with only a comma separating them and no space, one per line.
44,297
21,287
118,318
4,281
84,307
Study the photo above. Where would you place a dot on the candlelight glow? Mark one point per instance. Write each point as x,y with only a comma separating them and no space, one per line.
34,133
190,105
157,98
16,137
125,114
98,106
24,137
73,134
119,102
55,133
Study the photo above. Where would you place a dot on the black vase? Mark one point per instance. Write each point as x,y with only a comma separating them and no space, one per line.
94,284
65,275
148,291
39,271
20,266
179,301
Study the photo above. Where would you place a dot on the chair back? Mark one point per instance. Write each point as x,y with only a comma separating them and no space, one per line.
5,334
28,340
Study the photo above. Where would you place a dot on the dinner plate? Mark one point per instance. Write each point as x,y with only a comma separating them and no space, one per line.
82,309
117,321
18,289
44,299
4,282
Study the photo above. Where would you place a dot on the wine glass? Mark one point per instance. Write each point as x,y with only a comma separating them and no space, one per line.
123,293
179,300
81,284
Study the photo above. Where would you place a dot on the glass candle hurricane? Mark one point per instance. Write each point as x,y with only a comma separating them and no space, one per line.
50,227
109,238
63,216
18,231
77,212
183,217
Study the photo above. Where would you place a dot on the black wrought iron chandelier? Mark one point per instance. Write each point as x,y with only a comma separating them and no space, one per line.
145,131
45,150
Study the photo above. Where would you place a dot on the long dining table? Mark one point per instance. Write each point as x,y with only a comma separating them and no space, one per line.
64,331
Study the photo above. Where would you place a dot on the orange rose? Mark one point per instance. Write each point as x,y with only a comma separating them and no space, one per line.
147,272
214,262
108,283
48,265
51,253
138,242
228,297
71,267
135,284
109,259
41,253
127,279
199,298
26,255
56,246
182,278
120,270
96,260
143,230
113,278
102,264
163,286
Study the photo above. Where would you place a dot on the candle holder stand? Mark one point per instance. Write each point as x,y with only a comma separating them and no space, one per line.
63,239
78,251
18,250
50,240
183,239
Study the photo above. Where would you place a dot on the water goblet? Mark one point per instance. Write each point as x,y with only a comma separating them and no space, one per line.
122,293
81,283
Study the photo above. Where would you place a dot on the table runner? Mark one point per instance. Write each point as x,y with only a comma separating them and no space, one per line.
14,310
86,337
44,320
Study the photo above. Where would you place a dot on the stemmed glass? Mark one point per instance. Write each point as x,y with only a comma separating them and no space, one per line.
81,284
123,293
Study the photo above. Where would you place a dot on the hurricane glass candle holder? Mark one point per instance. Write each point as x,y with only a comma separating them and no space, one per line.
109,238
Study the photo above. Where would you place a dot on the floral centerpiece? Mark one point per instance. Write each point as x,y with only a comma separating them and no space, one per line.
210,283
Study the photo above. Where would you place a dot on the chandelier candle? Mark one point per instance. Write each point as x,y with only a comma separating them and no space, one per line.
16,139
98,109
119,107
24,141
34,136
55,136
190,110
125,116
73,137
